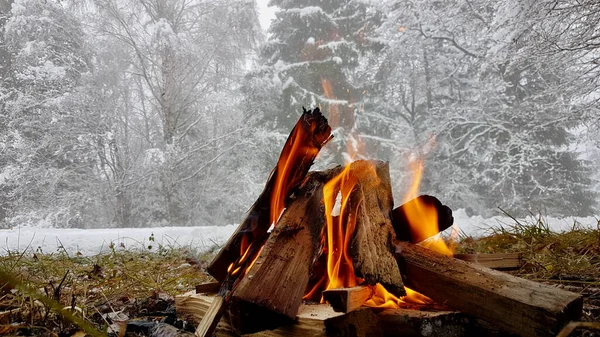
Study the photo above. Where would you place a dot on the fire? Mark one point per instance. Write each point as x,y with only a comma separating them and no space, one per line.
340,229
423,218
340,269
284,179
334,115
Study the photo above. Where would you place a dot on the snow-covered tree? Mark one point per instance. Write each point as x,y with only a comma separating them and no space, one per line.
187,58
313,57
47,164
455,69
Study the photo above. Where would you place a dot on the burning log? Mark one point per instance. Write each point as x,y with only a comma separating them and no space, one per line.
348,299
271,292
516,305
309,135
372,248
401,215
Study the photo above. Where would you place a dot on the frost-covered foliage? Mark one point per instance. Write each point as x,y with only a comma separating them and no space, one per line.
46,169
130,119
172,112
463,72
311,59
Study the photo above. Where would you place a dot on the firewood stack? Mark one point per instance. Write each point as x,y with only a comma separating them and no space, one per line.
337,238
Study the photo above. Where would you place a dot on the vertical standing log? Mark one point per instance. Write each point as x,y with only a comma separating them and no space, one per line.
372,246
310,133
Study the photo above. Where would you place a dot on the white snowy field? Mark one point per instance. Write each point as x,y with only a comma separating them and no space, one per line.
94,241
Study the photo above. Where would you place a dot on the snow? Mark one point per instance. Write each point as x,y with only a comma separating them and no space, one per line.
306,11
94,241
479,226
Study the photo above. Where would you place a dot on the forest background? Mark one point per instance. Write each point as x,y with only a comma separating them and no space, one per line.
139,113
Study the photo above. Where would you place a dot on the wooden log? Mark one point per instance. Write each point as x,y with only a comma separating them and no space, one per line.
192,307
310,133
271,292
513,304
372,248
408,322
211,318
210,287
319,320
403,227
347,299
500,261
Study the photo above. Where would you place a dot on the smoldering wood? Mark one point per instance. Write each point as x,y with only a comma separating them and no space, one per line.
310,133
513,304
372,248
348,299
271,292
401,223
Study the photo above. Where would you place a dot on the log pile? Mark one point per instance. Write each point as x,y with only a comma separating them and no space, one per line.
265,278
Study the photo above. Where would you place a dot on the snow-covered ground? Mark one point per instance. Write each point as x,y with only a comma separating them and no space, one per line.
94,241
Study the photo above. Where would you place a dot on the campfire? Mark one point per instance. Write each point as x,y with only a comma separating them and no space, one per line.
334,237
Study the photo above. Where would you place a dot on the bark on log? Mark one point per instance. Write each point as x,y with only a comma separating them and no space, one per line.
513,304
347,299
402,226
271,292
372,245
310,133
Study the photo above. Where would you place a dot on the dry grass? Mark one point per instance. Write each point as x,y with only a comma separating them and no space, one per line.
572,256
96,290
91,288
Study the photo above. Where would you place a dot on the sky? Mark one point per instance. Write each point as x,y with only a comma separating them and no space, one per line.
266,13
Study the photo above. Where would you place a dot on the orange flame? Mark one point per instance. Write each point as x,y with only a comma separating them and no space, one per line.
334,114
423,218
284,178
340,269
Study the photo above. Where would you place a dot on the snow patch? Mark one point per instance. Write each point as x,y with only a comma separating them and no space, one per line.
95,241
